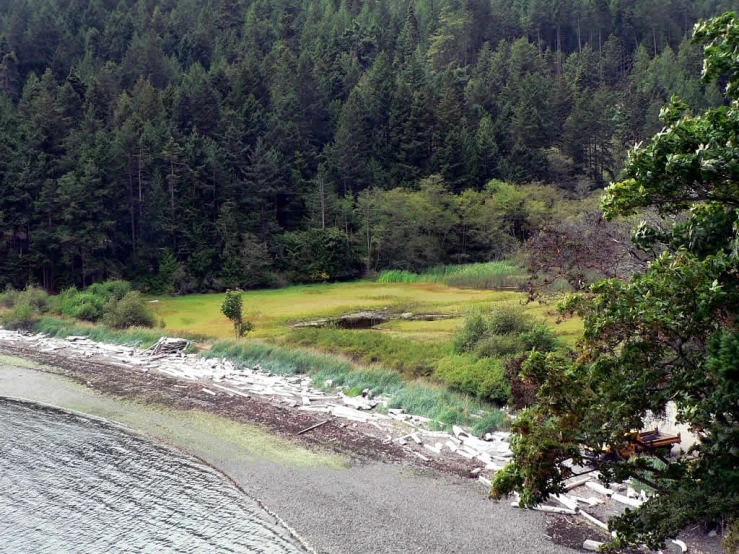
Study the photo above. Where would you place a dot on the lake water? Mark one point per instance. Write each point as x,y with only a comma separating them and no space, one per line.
71,484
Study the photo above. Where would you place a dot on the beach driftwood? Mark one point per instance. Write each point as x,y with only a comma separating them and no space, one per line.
316,426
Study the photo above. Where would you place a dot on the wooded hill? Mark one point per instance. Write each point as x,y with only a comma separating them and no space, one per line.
195,145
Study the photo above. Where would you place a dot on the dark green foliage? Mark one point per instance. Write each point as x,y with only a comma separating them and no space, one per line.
110,289
128,311
665,337
318,255
175,143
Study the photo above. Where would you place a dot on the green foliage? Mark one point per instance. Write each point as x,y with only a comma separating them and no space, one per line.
25,307
110,289
412,358
504,330
319,255
665,337
490,275
81,305
201,146
231,308
130,311
483,378
440,405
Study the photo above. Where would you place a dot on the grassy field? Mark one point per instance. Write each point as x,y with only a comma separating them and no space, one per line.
409,346
275,311
399,358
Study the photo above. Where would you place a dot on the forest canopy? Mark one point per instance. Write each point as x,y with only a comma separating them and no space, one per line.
192,145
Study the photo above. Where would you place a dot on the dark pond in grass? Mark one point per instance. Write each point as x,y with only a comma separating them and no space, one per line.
72,484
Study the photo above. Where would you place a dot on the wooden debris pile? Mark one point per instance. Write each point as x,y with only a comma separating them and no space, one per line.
595,503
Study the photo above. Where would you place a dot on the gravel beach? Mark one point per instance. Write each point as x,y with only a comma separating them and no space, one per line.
337,503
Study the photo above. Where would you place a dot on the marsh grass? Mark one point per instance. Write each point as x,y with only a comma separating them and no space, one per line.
134,336
410,357
490,275
328,371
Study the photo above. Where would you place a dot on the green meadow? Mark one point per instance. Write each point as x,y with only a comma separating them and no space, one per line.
411,362
412,347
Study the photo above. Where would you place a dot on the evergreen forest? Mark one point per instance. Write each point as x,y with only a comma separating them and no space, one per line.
194,145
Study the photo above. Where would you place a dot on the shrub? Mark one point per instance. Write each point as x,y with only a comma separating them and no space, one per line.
81,305
500,346
9,297
507,319
523,391
27,306
473,330
484,378
110,289
129,311
541,338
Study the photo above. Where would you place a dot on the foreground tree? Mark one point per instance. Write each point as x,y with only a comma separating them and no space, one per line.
667,336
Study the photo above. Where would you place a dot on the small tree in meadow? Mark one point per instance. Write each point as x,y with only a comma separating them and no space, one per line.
232,309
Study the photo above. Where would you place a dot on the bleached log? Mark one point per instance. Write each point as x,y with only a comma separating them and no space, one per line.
592,545
485,481
633,502
554,510
567,502
209,391
594,520
424,458
458,431
432,448
451,446
683,547
416,439
575,484
600,489
465,454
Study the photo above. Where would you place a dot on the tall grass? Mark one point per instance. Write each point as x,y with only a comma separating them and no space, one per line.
490,275
134,336
325,370
412,358
442,406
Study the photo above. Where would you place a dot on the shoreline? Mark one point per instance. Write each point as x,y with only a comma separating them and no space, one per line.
346,497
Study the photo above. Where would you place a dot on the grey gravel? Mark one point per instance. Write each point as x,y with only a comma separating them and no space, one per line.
368,508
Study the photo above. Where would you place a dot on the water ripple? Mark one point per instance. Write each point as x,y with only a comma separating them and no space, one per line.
70,484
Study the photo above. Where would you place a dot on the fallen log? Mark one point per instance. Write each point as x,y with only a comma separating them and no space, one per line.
592,545
316,426
595,521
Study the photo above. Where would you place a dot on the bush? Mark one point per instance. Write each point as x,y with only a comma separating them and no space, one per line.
81,305
506,319
500,346
484,378
129,311
541,338
26,307
110,289
474,329
9,297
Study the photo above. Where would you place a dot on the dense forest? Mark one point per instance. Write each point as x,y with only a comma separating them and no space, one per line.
202,144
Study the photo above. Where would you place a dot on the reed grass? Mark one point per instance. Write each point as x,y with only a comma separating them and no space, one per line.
490,275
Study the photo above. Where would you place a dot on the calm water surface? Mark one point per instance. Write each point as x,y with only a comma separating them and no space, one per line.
70,484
